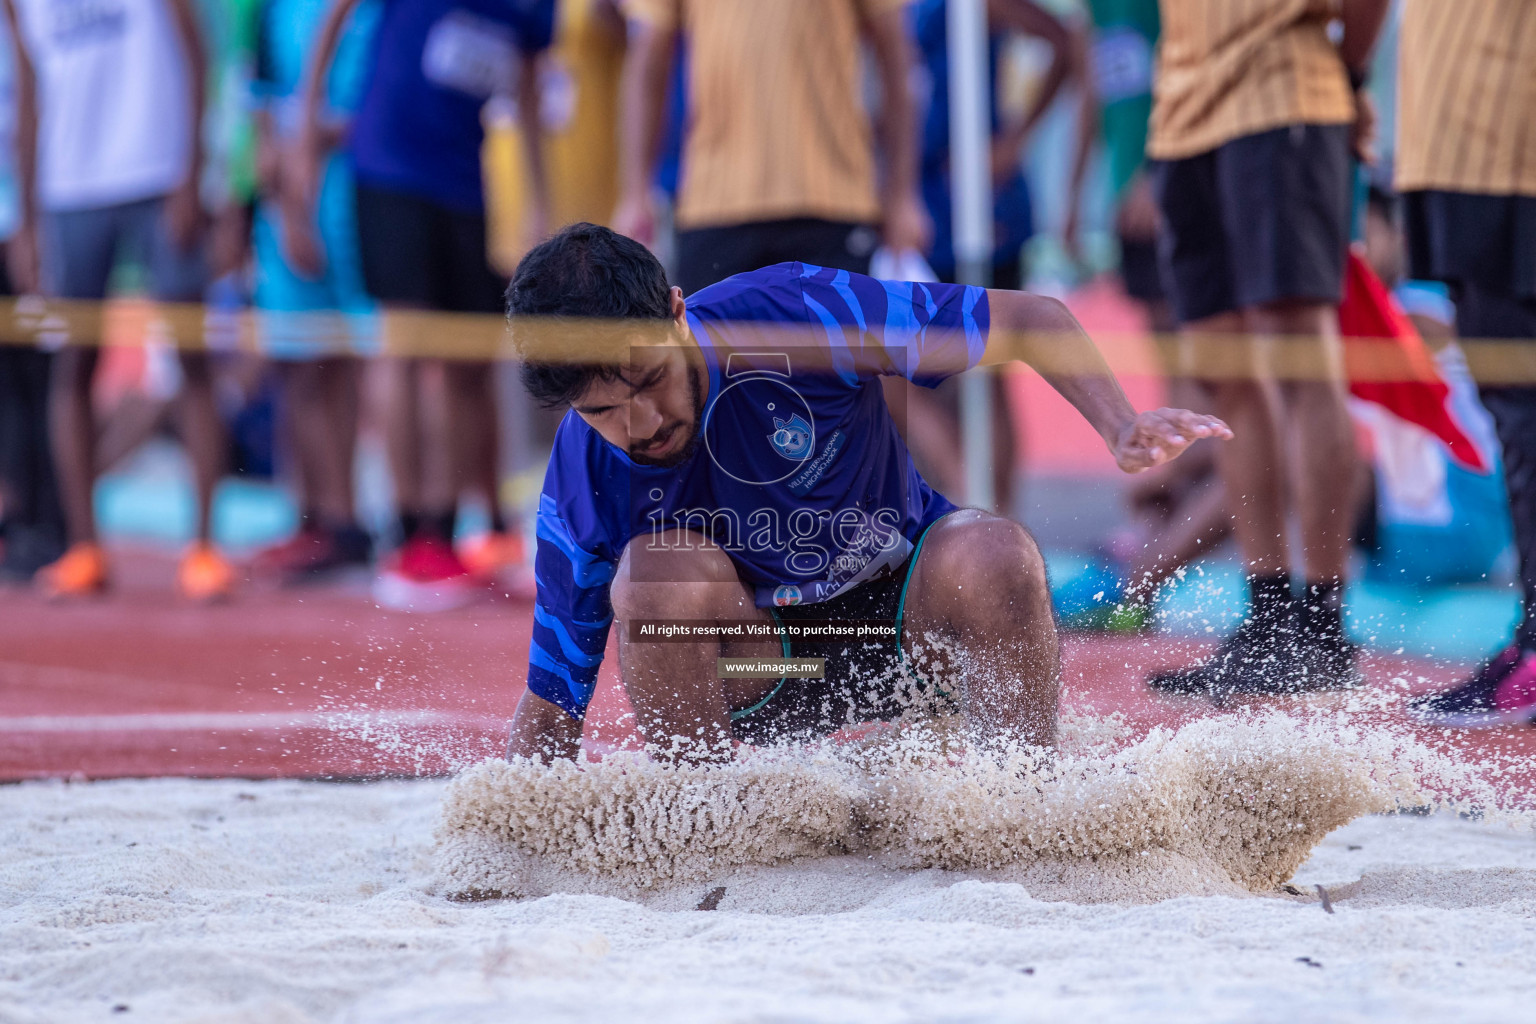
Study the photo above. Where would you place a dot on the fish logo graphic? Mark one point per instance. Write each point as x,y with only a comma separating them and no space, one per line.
792,437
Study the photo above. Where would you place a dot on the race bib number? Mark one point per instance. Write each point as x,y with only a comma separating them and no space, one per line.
470,54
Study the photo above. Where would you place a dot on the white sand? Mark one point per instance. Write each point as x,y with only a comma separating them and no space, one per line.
286,901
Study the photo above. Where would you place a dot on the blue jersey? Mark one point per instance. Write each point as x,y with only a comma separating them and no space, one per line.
435,63
800,474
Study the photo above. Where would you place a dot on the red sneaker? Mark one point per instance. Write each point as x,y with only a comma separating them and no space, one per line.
298,550
424,575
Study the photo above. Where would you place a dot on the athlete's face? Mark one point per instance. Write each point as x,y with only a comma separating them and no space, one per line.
654,408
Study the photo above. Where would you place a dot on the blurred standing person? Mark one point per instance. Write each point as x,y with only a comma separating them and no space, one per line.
1116,107
778,152
120,98
308,320
579,98
1178,510
933,418
1254,116
1466,166
415,143
33,520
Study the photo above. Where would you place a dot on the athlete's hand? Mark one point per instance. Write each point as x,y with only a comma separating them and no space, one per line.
1161,435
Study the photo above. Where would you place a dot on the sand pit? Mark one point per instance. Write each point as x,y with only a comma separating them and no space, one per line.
181,900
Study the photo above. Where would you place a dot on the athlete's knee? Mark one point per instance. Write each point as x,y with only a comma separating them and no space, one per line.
674,574
993,557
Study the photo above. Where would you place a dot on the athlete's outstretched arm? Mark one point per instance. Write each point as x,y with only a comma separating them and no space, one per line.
1043,333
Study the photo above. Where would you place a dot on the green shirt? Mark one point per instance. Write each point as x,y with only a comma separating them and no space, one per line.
1124,42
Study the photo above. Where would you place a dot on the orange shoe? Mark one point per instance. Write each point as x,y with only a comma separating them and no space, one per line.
491,554
204,574
82,572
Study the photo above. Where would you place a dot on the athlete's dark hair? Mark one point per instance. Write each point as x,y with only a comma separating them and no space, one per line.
584,272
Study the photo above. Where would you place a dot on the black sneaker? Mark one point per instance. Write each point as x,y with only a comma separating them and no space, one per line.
1251,660
27,549
1323,663
341,549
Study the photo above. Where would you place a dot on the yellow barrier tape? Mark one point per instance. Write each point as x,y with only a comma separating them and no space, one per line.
461,336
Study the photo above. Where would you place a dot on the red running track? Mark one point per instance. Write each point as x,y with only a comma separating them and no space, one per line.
320,683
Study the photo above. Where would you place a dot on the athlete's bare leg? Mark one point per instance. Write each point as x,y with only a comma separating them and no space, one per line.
980,584
675,688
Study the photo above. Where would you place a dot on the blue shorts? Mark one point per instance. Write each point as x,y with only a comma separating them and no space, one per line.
81,248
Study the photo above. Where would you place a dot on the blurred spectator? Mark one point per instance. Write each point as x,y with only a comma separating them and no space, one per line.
778,156
1427,519
31,519
1251,131
932,418
118,169
1116,106
1178,511
320,376
415,144
1466,165
579,99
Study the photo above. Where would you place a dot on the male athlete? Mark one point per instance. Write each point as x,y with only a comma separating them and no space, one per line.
730,462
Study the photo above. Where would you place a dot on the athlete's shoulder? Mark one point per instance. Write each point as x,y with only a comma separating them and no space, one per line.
771,293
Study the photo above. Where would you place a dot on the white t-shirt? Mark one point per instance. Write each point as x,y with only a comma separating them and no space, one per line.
115,114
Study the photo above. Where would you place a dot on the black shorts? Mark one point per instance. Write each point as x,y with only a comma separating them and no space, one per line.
707,255
424,255
1260,219
1139,270
863,681
1485,241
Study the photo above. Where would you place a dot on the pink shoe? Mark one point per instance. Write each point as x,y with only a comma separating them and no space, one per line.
1503,693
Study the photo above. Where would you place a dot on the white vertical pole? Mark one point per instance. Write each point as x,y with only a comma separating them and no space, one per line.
970,147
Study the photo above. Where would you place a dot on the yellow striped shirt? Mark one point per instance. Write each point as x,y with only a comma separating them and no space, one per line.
777,124
1229,68
1467,97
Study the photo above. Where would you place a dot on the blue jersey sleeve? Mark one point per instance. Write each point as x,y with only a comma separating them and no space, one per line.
925,332
579,543
571,614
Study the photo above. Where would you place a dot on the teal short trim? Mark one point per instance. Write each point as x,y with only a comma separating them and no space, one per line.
784,647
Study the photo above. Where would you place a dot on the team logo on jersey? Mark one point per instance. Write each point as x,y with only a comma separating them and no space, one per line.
786,594
792,437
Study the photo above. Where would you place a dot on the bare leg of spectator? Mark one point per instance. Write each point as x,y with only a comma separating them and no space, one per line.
1320,438
402,418
73,435
202,435
472,402
1250,464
